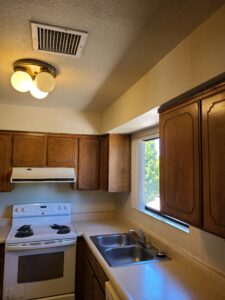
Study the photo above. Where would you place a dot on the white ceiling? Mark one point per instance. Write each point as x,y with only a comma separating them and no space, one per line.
126,38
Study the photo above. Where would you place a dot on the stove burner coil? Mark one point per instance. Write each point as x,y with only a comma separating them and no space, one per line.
62,229
24,231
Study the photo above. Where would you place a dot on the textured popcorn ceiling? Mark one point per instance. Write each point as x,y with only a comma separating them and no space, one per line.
126,38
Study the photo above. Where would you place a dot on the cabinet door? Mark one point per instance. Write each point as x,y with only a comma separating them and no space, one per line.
61,151
29,150
98,293
91,287
104,163
213,133
5,162
88,164
88,281
119,161
2,258
179,164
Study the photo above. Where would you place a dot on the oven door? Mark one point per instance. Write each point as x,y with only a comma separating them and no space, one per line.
39,273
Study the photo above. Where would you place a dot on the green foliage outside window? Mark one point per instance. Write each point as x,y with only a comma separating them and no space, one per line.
151,171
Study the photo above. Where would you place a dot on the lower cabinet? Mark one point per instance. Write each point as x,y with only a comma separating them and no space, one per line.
2,258
90,278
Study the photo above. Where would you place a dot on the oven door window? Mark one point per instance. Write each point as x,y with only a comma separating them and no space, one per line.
40,267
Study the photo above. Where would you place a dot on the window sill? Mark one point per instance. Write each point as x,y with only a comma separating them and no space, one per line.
164,220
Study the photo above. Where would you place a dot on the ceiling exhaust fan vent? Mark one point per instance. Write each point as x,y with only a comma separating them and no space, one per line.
47,38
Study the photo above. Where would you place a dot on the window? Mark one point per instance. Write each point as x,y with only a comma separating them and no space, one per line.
151,173
146,178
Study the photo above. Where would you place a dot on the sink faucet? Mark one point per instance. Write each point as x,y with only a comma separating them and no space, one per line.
138,236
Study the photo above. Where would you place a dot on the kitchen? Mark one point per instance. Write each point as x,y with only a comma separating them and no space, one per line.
87,135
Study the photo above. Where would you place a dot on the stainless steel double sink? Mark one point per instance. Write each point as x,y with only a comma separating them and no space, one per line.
119,250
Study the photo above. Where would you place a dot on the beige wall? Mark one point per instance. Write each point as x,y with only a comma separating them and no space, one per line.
13,117
204,247
53,120
82,201
195,60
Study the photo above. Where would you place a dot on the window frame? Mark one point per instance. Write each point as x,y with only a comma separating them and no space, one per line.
138,180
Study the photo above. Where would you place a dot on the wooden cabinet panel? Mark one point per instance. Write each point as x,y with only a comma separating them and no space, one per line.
98,293
104,163
2,259
5,162
90,278
213,133
88,163
87,281
29,150
115,163
119,162
61,151
179,164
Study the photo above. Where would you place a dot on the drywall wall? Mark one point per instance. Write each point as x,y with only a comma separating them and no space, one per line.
203,246
82,201
16,117
198,58
53,120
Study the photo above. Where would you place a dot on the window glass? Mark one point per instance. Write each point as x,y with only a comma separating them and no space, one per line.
151,174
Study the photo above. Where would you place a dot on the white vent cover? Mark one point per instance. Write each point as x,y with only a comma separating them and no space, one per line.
58,40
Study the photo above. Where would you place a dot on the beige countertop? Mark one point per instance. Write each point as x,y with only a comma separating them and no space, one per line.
168,280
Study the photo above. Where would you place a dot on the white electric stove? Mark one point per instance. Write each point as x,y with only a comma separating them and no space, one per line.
40,253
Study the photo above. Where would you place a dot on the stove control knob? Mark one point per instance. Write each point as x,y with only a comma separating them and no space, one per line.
65,207
22,209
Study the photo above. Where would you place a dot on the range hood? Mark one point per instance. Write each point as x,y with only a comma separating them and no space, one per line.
26,175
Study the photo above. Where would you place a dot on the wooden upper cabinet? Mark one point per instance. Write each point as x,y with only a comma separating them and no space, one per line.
88,163
29,150
61,151
5,162
115,163
179,164
104,163
119,162
213,144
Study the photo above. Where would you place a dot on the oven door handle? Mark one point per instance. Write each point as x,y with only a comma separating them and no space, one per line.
38,245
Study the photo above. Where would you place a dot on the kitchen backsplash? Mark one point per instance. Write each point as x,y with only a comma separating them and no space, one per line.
82,201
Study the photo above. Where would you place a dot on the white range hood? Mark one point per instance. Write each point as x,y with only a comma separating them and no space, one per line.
26,175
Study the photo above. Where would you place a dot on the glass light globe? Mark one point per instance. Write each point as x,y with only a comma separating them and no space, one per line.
45,82
21,81
36,93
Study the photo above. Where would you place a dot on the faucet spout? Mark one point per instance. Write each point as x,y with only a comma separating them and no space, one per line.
139,236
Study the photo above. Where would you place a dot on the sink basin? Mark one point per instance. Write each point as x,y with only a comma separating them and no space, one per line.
118,250
113,240
128,255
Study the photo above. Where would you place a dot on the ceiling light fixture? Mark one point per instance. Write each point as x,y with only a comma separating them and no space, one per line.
35,76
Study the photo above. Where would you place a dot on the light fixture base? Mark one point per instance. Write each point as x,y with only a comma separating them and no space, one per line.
34,66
